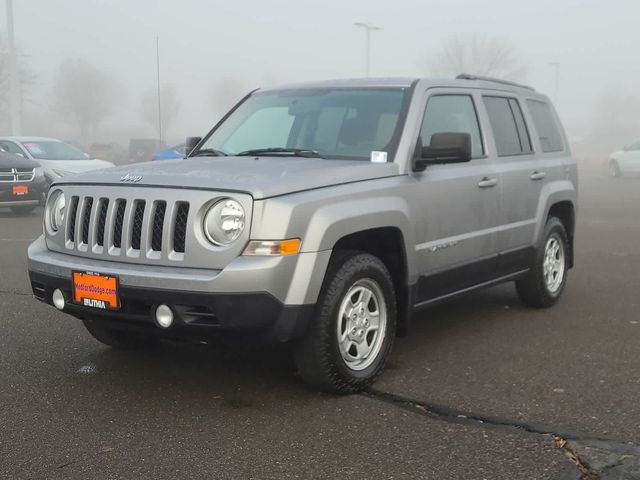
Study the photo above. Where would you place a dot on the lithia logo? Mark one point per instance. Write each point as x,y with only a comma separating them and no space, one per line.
131,178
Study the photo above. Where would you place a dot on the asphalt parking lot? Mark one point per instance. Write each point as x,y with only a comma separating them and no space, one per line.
484,388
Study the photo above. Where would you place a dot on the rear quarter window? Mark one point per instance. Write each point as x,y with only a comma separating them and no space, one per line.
546,126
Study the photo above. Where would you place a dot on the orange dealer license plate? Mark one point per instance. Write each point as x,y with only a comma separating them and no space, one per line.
96,290
19,190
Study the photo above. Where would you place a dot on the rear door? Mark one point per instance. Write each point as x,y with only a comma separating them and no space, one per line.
527,160
458,204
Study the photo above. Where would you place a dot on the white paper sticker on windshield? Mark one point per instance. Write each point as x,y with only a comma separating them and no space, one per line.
378,157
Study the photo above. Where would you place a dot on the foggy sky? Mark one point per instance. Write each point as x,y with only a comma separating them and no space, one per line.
595,41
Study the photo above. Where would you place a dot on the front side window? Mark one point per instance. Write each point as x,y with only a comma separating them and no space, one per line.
51,150
546,126
335,123
11,148
452,114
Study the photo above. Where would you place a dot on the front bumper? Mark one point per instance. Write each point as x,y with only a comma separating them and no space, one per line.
272,297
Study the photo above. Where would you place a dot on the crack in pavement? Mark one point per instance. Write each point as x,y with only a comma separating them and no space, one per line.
595,458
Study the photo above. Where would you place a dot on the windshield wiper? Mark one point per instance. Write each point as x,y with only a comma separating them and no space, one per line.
208,152
300,152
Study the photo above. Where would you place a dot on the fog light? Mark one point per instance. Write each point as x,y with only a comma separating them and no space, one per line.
164,316
58,299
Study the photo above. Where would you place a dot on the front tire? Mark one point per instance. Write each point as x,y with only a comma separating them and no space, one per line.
545,282
614,169
350,338
118,339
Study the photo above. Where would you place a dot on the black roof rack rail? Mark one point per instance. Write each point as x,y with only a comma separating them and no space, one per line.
466,76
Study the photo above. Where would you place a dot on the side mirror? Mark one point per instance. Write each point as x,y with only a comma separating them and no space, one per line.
445,147
190,144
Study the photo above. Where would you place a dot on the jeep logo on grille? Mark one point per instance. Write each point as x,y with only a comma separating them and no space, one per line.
131,178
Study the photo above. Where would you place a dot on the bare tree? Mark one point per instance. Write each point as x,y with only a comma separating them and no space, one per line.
169,106
84,95
27,79
477,55
226,92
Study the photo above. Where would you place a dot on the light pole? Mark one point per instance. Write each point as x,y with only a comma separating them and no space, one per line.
158,86
14,87
368,28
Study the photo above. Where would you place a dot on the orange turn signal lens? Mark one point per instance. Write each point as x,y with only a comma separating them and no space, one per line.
273,247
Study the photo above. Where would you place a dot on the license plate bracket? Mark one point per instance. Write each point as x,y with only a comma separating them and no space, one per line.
96,290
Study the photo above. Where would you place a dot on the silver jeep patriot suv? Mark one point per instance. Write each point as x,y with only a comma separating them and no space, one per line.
323,215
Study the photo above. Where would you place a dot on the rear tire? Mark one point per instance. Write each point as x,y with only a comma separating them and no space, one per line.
23,210
118,339
349,340
614,169
545,282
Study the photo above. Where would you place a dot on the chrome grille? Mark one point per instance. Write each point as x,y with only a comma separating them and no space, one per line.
102,219
86,218
129,225
14,175
143,225
180,229
158,224
117,229
73,210
137,224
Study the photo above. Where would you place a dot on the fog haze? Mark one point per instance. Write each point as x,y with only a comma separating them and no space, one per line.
247,44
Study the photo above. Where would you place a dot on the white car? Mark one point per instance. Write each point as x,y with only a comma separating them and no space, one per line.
625,162
58,158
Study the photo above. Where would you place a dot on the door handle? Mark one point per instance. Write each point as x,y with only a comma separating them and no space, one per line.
537,175
487,182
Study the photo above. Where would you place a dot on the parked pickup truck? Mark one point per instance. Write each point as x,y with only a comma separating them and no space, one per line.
322,214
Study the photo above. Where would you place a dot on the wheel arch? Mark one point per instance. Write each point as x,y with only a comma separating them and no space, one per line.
387,244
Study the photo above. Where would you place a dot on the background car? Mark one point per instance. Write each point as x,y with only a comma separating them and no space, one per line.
22,183
171,153
625,161
142,149
111,152
58,158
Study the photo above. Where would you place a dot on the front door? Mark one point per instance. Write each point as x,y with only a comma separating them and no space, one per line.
458,204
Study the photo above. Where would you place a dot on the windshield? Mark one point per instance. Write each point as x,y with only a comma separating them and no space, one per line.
51,150
335,123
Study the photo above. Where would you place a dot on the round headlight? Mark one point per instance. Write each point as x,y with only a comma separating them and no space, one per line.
224,222
54,214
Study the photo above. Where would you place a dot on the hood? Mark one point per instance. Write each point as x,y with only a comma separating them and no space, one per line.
8,160
262,177
75,166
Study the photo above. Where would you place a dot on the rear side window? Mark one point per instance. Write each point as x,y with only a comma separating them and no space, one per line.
509,128
449,114
546,126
